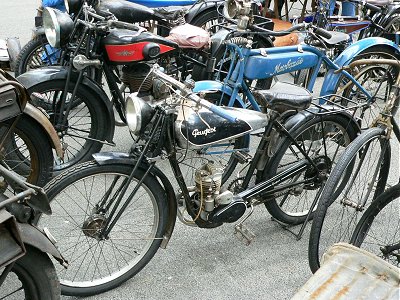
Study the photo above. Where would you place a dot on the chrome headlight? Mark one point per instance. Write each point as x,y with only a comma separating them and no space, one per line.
73,6
57,26
138,113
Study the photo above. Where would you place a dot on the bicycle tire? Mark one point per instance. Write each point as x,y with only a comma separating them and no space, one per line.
332,204
306,133
73,197
378,227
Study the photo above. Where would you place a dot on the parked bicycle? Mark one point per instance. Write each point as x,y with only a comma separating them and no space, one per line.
358,178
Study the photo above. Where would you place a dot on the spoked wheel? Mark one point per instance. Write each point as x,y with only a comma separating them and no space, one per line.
37,53
82,199
324,142
85,126
359,177
378,229
32,277
27,150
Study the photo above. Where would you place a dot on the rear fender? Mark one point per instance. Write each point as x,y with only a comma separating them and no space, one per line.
34,77
201,8
107,158
31,235
332,78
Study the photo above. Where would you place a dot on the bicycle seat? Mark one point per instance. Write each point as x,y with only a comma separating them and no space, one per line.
336,38
380,2
126,11
284,96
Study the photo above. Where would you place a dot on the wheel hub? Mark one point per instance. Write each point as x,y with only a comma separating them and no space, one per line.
320,175
93,226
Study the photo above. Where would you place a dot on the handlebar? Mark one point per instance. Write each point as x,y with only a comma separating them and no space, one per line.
188,93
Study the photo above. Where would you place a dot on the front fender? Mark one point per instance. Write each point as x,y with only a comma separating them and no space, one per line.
44,122
106,158
37,76
33,236
212,86
331,79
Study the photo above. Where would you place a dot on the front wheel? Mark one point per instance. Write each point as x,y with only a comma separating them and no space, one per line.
33,276
323,141
37,53
81,199
85,128
358,178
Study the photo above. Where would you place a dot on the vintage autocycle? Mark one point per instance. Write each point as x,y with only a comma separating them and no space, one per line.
38,52
114,212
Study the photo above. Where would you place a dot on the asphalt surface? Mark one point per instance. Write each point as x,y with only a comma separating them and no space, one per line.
199,263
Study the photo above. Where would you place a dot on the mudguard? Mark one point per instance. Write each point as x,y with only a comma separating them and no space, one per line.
44,122
331,79
392,10
212,86
107,158
31,235
41,75
200,9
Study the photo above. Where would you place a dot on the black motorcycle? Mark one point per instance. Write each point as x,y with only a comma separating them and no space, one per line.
28,139
123,53
114,212
38,53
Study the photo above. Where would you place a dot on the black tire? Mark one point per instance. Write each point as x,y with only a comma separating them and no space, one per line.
206,19
291,207
378,227
27,150
35,275
31,56
345,194
86,112
73,196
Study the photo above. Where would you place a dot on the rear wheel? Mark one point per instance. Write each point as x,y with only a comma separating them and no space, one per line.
98,264
324,142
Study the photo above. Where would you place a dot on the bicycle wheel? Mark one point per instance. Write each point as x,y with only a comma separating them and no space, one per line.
324,142
359,177
86,122
99,264
378,229
33,277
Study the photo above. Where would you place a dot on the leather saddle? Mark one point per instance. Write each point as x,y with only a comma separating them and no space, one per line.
284,96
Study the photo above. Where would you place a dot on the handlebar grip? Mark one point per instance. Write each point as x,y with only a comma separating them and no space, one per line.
222,113
322,32
124,25
372,7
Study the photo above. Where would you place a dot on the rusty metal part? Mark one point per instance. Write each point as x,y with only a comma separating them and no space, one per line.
36,114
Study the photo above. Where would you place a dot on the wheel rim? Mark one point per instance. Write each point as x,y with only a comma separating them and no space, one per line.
95,262
41,57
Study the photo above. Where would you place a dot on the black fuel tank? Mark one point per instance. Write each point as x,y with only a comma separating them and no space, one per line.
126,11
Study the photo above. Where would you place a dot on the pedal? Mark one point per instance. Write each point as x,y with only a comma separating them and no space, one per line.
242,157
243,233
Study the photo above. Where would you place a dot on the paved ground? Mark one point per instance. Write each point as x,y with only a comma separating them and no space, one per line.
202,264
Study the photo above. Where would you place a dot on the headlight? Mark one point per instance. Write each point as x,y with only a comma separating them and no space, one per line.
73,6
138,113
57,26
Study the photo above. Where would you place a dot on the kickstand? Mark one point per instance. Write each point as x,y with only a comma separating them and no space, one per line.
299,234
242,232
